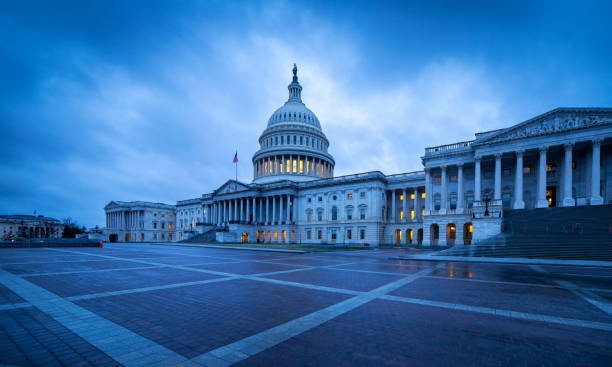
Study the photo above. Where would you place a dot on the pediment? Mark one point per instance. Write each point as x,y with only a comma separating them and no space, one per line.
231,186
111,205
553,122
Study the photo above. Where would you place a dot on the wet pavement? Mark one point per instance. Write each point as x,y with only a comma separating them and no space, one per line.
155,305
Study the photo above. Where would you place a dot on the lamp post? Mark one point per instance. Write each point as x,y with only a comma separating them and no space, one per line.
486,200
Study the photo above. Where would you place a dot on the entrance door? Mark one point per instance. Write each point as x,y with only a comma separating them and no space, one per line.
244,237
398,236
551,195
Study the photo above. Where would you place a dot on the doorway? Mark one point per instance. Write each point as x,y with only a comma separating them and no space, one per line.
113,238
551,195
245,237
398,236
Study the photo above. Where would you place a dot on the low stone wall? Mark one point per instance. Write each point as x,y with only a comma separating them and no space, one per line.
51,242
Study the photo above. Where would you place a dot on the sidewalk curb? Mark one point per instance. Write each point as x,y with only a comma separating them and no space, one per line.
499,260
231,247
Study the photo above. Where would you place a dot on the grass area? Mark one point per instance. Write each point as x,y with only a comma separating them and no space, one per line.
319,248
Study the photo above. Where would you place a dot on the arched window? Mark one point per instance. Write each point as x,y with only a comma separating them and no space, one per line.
334,213
349,213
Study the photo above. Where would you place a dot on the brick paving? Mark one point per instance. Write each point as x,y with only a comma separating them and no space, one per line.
154,305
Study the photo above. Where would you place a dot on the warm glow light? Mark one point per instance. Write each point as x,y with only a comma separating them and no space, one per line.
301,166
265,167
169,225
470,228
401,197
423,195
412,196
401,214
422,213
295,166
412,214
308,167
288,165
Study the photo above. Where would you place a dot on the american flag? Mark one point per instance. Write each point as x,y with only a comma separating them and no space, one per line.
235,158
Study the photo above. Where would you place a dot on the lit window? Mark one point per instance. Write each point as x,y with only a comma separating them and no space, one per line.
170,226
295,166
453,178
301,166
573,164
550,167
437,179
288,162
349,196
401,215
308,167
422,213
411,196
401,197
423,196
412,214
527,170
265,167
309,217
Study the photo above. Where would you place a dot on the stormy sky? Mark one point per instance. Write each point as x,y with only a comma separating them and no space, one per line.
149,100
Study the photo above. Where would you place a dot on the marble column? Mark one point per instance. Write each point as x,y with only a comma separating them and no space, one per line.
280,209
393,205
274,210
428,194
443,191
541,201
460,194
288,209
596,198
497,192
477,186
416,204
405,206
267,210
568,200
241,218
518,182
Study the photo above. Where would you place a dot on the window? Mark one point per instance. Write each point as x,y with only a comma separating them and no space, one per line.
319,235
362,234
308,234
333,235
362,213
469,176
437,179
295,166
423,196
349,213
412,214
527,170
154,225
401,215
362,195
155,214
334,213
320,198
349,196
301,140
436,204
170,226
453,178
309,216
411,196
573,164
334,198
506,172
276,140
488,174
470,201
282,139
349,234
551,168
320,215
453,203
401,197
309,200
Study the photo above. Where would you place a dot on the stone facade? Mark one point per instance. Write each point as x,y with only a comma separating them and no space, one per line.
560,158
29,226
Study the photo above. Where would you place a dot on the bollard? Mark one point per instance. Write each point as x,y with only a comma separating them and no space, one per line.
100,246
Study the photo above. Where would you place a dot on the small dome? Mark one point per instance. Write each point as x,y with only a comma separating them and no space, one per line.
292,112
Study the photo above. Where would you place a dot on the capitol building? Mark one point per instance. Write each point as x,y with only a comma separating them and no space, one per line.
560,158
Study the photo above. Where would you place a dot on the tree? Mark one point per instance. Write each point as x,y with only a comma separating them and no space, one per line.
71,228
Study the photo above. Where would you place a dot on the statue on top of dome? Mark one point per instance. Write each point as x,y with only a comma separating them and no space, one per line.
294,72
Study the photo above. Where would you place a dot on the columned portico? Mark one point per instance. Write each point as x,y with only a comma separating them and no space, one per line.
477,186
443,192
460,194
497,193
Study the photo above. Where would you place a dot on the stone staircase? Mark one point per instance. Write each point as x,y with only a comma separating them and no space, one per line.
577,233
210,236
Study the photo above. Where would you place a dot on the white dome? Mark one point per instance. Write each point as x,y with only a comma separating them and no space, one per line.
293,146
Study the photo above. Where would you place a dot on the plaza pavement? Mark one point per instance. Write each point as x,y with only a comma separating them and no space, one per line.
156,305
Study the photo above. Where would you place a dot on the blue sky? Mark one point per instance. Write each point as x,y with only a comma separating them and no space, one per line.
133,100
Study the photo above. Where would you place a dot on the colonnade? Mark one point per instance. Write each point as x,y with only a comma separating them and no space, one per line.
123,219
518,202
412,191
267,210
292,164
